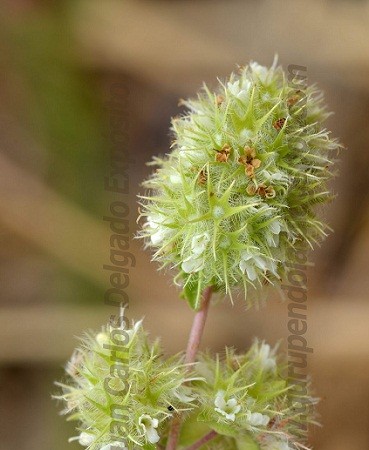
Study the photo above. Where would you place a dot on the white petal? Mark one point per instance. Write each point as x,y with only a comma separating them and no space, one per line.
234,88
270,364
259,262
264,351
272,267
85,439
230,417
183,397
155,423
270,239
199,243
155,221
275,227
219,400
237,409
259,71
251,273
152,435
242,265
232,402
245,255
149,424
192,264
175,179
243,95
258,419
157,237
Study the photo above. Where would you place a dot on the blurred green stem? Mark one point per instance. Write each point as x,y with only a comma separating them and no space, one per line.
208,437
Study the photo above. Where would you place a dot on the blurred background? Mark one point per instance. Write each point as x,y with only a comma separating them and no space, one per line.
59,60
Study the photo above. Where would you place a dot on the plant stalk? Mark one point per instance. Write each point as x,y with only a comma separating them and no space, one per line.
208,437
193,344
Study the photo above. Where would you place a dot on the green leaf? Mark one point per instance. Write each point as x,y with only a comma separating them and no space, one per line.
192,431
223,428
192,291
246,443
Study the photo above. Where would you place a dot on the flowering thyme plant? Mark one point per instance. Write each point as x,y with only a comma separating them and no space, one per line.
248,164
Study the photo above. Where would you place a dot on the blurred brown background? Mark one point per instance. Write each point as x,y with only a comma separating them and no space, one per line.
58,62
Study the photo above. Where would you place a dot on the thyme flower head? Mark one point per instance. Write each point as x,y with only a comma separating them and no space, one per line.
248,164
243,398
123,395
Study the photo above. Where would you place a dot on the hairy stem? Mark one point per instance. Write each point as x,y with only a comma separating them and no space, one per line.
208,437
192,348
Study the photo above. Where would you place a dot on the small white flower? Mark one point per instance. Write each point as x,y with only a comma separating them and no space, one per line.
272,233
158,236
266,357
133,331
182,395
247,267
259,71
175,178
192,264
275,227
199,243
228,408
257,419
240,92
74,363
149,426
86,439
250,262
155,223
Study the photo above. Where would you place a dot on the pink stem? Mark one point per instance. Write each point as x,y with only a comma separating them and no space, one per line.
198,327
208,437
192,348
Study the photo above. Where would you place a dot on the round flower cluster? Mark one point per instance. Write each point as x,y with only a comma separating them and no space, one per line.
123,396
243,399
246,397
248,164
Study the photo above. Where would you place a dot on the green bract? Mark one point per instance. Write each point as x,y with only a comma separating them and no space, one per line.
248,164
